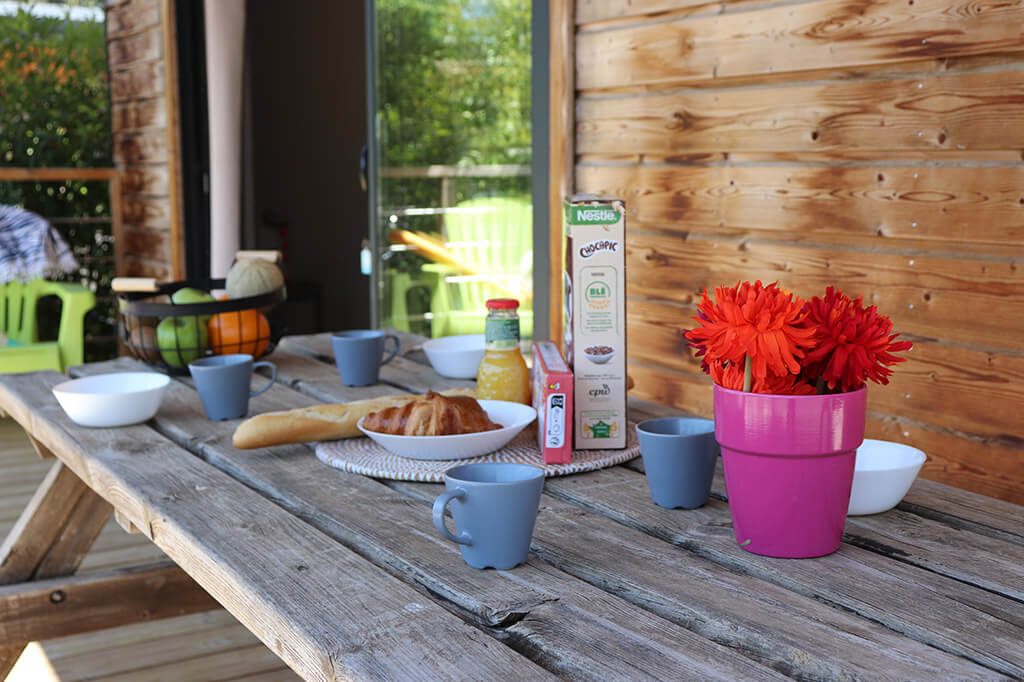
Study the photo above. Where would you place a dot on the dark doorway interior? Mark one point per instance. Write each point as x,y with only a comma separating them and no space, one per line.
306,126
195,152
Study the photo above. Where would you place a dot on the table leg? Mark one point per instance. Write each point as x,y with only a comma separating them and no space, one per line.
48,542
51,537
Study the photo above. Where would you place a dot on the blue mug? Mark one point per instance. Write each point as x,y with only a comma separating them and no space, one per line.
358,355
494,506
679,460
223,383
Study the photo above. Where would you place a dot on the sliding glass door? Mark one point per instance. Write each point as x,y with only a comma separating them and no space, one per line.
449,163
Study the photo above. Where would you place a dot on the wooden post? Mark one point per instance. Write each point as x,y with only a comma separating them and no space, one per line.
560,143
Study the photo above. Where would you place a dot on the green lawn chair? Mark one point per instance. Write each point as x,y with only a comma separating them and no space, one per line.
24,352
495,236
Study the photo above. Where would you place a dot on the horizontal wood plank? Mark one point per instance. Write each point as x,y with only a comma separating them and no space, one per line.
786,38
589,11
137,115
963,112
147,147
138,81
931,206
150,214
144,243
925,295
807,639
982,514
939,383
955,617
937,547
59,607
56,174
140,267
132,17
144,46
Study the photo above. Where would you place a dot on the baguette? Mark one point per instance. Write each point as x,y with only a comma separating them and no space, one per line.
331,421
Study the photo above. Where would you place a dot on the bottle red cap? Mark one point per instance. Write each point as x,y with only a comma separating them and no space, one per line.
502,304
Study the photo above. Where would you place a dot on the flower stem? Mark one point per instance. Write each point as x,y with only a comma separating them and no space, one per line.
821,385
748,375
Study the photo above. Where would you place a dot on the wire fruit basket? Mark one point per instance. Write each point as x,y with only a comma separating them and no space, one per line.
167,335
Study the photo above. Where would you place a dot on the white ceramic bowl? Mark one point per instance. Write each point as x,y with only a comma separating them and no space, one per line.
883,475
598,358
456,357
513,417
117,399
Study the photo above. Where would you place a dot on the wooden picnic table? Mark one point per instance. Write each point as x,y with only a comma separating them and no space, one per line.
343,576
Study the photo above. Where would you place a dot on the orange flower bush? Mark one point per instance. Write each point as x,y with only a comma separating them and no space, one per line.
764,339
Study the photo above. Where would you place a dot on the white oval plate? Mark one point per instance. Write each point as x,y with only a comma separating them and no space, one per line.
513,417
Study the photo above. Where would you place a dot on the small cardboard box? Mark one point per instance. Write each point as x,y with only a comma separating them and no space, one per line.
553,398
595,324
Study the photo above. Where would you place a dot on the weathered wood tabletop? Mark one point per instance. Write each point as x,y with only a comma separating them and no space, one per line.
343,576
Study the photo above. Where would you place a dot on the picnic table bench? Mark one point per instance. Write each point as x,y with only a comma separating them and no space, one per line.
343,576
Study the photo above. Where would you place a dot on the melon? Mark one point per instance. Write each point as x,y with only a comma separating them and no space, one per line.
252,277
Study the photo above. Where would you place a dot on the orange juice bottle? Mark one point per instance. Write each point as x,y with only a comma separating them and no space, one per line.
502,374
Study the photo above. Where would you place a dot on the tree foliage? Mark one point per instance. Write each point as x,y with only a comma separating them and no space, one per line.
54,112
453,88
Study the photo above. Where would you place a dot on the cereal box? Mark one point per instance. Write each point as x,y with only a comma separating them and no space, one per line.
595,324
552,396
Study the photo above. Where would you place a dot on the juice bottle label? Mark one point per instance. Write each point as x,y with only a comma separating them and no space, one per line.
501,334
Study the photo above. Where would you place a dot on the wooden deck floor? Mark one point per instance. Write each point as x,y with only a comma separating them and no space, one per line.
205,646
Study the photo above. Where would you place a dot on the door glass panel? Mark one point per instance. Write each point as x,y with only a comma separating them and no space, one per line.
453,216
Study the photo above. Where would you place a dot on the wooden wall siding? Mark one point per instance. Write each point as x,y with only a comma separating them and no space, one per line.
144,124
876,146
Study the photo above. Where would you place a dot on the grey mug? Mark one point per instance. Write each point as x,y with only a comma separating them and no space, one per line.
494,507
358,354
679,457
223,383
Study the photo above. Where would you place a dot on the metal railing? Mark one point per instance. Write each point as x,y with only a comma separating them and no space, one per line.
112,176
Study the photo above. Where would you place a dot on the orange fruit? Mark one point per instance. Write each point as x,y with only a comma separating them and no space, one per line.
241,331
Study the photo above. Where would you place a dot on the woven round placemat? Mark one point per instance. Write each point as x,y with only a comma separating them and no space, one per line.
363,456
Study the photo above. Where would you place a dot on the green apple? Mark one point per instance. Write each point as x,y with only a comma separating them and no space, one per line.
181,339
193,295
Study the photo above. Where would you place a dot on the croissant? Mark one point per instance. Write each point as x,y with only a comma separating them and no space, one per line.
433,415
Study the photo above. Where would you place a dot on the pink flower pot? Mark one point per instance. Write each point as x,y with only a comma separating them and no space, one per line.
789,464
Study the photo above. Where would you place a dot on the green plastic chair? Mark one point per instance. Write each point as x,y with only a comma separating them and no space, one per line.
24,352
495,235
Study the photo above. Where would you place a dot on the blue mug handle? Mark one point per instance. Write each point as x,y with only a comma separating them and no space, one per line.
439,505
273,376
394,351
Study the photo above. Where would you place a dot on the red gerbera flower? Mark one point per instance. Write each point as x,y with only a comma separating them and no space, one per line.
761,322
728,375
854,343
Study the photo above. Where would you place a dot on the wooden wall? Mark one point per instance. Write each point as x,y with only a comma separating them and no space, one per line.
874,145
141,59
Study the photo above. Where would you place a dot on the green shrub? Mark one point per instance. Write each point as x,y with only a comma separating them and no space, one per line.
54,112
